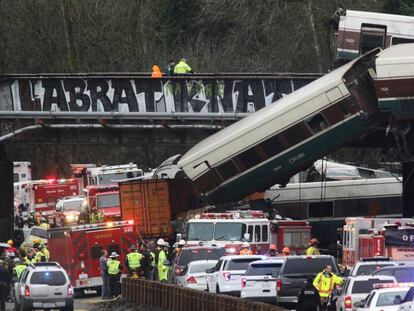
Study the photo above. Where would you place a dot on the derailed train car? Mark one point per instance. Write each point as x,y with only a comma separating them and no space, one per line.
287,136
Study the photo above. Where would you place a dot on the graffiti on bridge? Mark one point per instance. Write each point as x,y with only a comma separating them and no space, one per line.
196,95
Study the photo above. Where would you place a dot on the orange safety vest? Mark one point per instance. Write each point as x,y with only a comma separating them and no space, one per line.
246,251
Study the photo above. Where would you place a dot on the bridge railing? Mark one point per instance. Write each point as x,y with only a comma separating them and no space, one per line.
175,298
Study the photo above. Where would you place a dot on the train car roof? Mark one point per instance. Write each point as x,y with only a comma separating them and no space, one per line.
379,16
396,54
266,114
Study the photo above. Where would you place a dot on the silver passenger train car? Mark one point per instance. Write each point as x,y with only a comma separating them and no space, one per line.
273,144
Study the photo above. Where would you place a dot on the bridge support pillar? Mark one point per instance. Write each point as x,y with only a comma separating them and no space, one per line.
408,189
6,196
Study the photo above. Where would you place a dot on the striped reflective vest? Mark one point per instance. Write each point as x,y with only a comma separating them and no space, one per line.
152,254
113,266
162,270
311,250
134,260
325,283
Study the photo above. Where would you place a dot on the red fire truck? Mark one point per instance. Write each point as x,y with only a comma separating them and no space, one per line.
230,229
370,237
78,248
42,195
106,199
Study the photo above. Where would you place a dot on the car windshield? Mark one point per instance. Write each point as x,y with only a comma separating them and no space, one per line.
307,265
188,255
239,263
53,278
202,267
38,232
263,269
229,231
368,269
390,299
107,200
72,206
200,231
364,287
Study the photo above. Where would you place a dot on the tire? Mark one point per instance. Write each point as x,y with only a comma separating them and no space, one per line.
218,289
68,308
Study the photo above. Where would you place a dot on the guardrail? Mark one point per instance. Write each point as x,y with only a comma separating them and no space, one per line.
175,298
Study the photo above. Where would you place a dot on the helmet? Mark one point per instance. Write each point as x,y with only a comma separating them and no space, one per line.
313,241
272,247
181,243
245,244
10,242
43,219
133,248
166,244
37,241
160,242
286,250
16,260
10,254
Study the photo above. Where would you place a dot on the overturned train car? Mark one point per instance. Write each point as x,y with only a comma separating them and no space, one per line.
287,136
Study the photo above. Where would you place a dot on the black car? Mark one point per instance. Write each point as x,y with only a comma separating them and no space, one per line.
296,270
401,273
193,253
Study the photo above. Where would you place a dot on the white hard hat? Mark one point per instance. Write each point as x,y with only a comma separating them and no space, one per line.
181,243
16,260
160,242
113,255
246,244
166,244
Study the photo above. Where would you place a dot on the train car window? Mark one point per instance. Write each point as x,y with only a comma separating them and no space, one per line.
316,123
320,209
295,134
372,36
15,177
272,146
227,170
249,158
208,180
399,40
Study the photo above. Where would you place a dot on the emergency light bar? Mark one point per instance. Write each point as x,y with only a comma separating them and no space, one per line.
391,285
104,225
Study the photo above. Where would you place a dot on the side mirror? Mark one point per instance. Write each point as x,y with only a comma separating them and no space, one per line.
210,270
358,304
246,237
179,237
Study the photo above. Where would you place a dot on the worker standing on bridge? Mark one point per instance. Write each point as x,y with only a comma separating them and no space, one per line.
133,262
182,67
162,256
313,247
169,70
246,249
114,274
156,72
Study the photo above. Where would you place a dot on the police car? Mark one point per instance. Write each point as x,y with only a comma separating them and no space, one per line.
383,298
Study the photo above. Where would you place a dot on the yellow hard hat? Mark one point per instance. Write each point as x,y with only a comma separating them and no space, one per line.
10,242
37,241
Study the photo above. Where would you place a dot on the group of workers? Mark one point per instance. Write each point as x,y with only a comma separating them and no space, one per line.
14,261
311,250
148,261
172,68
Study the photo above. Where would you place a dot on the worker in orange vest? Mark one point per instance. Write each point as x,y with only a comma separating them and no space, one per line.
156,72
286,251
246,249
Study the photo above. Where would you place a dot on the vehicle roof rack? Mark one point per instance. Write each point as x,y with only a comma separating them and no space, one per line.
46,264
379,258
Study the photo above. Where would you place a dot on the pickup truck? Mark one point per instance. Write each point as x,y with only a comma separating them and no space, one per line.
294,273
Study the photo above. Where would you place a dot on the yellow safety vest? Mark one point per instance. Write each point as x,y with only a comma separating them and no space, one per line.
152,259
325,284
26,261
134,260
162,270
311,250
113,266
46,253
39,257
19,269
182,67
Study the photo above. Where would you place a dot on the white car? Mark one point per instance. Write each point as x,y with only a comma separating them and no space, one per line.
385,299
357,288
226,276
407,303
259,281
44,285
368,266
194,274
